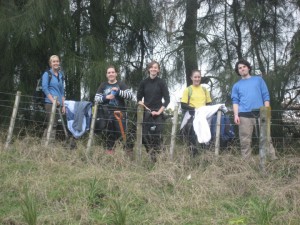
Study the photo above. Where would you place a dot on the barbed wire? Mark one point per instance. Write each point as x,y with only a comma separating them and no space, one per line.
27,119
8,93
127,107
33,108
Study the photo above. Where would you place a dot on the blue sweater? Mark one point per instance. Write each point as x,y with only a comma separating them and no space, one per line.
250,93
55,88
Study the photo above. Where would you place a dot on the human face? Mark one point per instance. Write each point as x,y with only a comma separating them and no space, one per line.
196,78
55,63
111,75
153,70
243,70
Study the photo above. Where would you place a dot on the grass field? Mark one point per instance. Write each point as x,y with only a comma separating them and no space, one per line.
57,186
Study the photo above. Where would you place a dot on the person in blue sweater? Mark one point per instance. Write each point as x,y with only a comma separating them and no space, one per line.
248,95
53,86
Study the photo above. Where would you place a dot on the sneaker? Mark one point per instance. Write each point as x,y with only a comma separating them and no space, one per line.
110,152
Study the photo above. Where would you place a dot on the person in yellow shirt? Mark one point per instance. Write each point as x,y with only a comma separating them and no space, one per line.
194,96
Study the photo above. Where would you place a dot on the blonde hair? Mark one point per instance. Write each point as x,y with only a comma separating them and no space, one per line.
52,57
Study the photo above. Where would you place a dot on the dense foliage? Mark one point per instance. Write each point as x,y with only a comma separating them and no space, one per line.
181,34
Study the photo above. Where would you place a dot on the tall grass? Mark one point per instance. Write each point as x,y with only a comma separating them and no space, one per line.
119,213
263,210
29,208
63,187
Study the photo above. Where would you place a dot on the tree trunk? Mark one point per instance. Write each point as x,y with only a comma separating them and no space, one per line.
100,14
73,80
189,39
235,9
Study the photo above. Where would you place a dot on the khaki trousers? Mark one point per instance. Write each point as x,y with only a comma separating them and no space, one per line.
48,109
246,127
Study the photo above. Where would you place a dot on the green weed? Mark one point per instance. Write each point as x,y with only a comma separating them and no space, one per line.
29,208
236,210
119,213
262,211
237,221
95,195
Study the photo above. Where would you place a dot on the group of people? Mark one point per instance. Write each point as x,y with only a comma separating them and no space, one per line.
152,94
248,94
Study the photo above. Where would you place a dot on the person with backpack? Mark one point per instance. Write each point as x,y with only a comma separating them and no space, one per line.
150,93
53,86
111,96
248,95
194,96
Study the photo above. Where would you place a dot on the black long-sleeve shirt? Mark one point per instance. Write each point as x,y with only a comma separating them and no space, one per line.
153,91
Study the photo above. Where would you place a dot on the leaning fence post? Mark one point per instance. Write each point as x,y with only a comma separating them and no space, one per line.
139,132
51,122
91,135
173,134
264,137
218,129
13,119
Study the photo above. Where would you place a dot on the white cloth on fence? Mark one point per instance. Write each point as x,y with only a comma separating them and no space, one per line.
72,114
185,119
202,119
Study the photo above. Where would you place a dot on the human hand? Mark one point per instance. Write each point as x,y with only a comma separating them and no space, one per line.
114,89
63,110
237,119
110,96
155,113
142,104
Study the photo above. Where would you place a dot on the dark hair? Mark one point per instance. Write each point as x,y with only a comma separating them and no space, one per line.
113,67
195,71
244,62
150,64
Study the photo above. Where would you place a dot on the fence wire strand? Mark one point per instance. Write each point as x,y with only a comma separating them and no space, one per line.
31,117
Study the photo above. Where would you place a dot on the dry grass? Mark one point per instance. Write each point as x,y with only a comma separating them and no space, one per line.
69,188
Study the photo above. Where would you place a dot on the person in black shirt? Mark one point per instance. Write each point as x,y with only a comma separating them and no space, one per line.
111,95
150,93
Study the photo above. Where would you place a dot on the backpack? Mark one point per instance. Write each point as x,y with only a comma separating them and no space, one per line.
38,98
227,129
102,118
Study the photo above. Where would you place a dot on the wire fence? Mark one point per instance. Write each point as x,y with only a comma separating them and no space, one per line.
31,120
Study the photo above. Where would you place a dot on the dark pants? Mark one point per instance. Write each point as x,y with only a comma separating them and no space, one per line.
112,132
152,134
190,137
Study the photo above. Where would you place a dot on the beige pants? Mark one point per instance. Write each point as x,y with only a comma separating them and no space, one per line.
246,127
48,109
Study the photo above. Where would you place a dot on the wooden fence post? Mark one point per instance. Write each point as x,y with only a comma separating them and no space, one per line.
173,134
264,135
139,132
51,122
218,129
13,119
92,129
